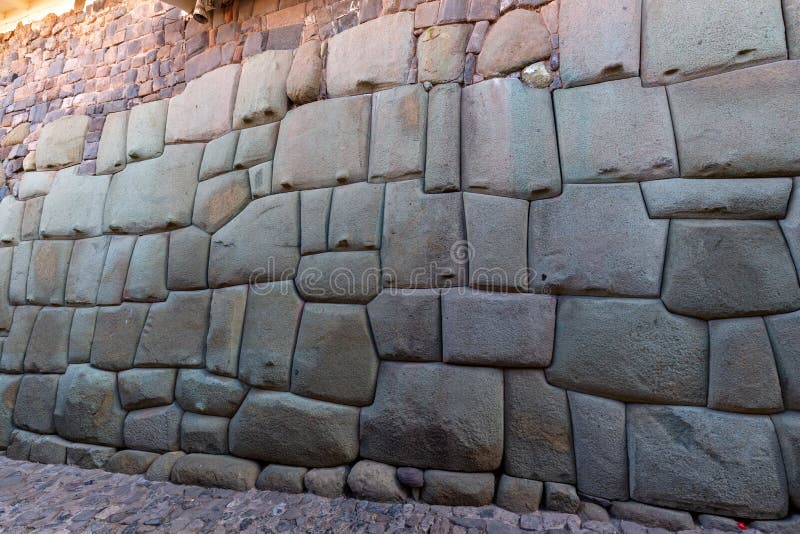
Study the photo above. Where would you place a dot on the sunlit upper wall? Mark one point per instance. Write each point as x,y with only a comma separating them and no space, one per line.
12,12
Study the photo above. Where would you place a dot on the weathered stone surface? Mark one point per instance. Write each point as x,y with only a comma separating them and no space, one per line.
374,481
115,269
47,274
743,450
242,252
598,427
271,320
174,334
791,18
283,478
146,388
783,334
596,352
538,435
16,343
130,462
704,256
598,40
615,131
561,497
49,450
423,238
329,482
6,308
218,155
323,144
256,145
137,201
220,199
187,261
116,335
147,271
261,98
334,359
9,387
205,108
519,495
497,233
406,325
677,44
652,516
449,488
16,135
112,153
596,240
31,217
287,429
345,277
537,75
88,408
787,425
146,126
85,270
443,139
199,391
260,178
784,526
411,477
517,39
161,468
154,429
19,448
225,330
61,142
514,154
402,427
11,213
371,56
440,53
35,184
49,343
89,456
315,206
708,115
35,402
204,433
303,82
355,217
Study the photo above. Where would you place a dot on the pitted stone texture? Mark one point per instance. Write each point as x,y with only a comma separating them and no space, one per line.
334,359
741,198
225,330
538,435
678,43
216,471
146,388
519,495
130,462
596,240
9,387
448,488
406,325
260,178
704,256
174,334
287,429
344,277
330,482
305,76
187,261
61,142
205,108
6,308
138,201
742,372
561,498
598,353
498,329
19,448
243,252
11,213
49,343
161,468
88,408
261,98
374,481
497,233
116,335
220,199
323,144
35,184
47,276
147,271
783,334
115,269
615,132
601,459
371,56
154,429
204,433
440,53
31,217
787,425
112,150
89,456
271,320
81,334
199,391
218,155
35,403
49,450
283,478
315,205
679,454
146,126
708,115
85,270
517,39
256,145
508,140
465,432
791,17
658,518
355,217
599,40
443,139
423,238
16,343
397,133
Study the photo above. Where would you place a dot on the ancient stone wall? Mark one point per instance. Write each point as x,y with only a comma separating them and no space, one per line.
421,288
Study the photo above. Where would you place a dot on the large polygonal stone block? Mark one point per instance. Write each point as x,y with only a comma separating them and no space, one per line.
49,450
256,145
315,207
154,429
784,334
205,108
131,462
261,97
787,425
139,202
596,240
47,276
704,256
596,351
187,266
116,335
355,217
286,429
219,199
147,272
515,40
215,471
115,269
791,17
447,488
35,184
397,133
678,42
372,56
16,343
303,82
81,334
31,217
225,330
440,53
61,142
35,403
85,270
218,155
6,308
443,139
146,388
406,325
9,386
260,179
20,268
708,115
146,125
89,456
11,213
346,277
424,416
508,140
323,144
199,391
615,131
112,154
680,454
49,344
204,433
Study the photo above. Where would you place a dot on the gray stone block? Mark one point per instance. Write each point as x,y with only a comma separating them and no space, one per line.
561,498
448,488
88,408
260,178
329,482
112,150
791,18
406,325
783,334
204,433
31,217
205,108
283,478
514,154
704,256
219,199
743,450
161,468
315,206
61,142
218,155
146,125
515,40
85,270
355,217
146,388
344,277
9,387
174,334
216,471
374,481
147,270
35,403
20,267
397,134
306,156
116,335
115,269
74,207
154,429
49,343
787,425
256,145
403,426
47,273
261,97
287,429
443,139
89,456
35,184
665,362
49,450
130,462
19,448
784,526
16,343
6,308
440,53
199,391
519,495
411,477
11,213
653,516
305,76
187,262
225,330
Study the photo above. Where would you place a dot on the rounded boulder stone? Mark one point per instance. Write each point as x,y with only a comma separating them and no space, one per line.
374,481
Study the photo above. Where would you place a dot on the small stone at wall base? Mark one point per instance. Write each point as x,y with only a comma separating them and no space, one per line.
131,462
652,516
89,456
49,450
215,471
519,495
589,511
411,477
160,469
552,521
374,481
561,497
790,525
283,478
328,482
450,488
